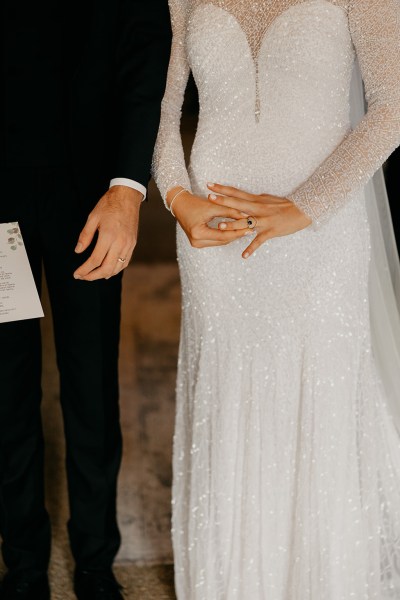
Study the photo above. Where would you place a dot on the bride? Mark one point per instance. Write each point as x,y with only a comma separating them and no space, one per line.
286,458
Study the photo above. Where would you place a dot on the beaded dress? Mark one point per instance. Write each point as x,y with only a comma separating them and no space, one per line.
286,458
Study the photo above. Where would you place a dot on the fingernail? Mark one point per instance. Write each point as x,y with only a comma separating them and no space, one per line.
222,225
213,197
246,255
77,277
79,247
211,185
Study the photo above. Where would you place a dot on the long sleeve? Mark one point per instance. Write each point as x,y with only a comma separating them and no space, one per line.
169,168
144,43
375,30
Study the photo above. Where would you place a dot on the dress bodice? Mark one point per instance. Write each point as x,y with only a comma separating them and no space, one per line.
288,63
245,32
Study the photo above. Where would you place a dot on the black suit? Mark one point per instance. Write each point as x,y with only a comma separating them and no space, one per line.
80,105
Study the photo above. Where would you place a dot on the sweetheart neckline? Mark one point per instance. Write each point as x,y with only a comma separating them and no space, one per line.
267,28
256,54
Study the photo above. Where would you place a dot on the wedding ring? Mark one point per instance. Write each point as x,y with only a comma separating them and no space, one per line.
122,260
251,222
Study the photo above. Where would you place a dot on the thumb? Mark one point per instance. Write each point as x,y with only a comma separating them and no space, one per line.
87,234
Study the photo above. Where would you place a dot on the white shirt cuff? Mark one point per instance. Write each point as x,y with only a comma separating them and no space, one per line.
129,183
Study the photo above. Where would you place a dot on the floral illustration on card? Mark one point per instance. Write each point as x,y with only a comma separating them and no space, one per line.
15,238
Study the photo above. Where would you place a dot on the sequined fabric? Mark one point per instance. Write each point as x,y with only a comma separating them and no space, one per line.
286,461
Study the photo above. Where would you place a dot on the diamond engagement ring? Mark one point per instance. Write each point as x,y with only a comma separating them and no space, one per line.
122,260
251,222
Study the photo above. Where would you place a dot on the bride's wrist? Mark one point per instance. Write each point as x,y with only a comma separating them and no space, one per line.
174,196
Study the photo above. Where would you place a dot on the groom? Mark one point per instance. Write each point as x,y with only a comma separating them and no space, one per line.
82,82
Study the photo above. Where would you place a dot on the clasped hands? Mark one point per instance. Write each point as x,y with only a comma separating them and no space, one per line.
274,216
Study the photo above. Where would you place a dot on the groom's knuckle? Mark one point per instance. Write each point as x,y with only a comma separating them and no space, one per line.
95,262
123,241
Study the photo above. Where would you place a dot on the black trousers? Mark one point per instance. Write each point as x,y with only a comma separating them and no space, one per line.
86,321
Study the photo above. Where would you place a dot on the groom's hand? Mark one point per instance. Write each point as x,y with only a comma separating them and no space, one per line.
116,219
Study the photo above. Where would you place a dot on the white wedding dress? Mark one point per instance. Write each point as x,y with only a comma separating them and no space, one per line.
286,459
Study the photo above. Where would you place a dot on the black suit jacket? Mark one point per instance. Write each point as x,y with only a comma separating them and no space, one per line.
115,59
118,64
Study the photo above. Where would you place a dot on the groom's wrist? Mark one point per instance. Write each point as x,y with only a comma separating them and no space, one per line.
129,183
128,196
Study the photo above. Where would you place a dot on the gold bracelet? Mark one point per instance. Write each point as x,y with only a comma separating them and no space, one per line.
173,200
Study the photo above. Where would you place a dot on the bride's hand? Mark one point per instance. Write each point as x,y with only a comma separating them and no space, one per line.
194,215
274,216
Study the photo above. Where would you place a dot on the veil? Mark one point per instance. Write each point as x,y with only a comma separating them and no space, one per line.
384,279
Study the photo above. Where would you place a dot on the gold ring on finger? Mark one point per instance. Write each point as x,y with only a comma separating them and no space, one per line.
251,222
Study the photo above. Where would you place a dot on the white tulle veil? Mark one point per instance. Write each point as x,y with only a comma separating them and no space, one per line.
384,272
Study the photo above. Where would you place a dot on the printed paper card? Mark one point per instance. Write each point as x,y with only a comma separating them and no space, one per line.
19,298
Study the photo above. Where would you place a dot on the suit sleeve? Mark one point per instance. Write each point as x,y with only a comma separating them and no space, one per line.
142,56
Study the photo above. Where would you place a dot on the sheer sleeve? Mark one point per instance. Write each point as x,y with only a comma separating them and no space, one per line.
375,30
169,168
